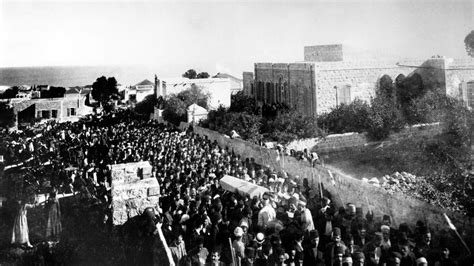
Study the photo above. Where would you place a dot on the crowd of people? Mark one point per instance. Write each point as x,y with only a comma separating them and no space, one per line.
203,224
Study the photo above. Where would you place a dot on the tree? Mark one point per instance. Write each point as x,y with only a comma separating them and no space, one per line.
247,125
190,74
387,88
353,117
174,110
292,125
194,95
175,106
240,102
7,115
203,75
384,116
147,105
469,42
9,93
104,90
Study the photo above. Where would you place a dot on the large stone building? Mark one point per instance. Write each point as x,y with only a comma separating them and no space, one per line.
326,79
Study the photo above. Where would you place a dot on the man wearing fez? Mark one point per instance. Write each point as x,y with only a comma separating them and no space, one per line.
360,238
332,249
312,254
423,246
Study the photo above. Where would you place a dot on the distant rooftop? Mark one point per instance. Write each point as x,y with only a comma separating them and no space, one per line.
145,82
225,75
72,91
185,81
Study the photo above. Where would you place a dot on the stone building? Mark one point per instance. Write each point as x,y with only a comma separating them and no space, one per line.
326,79
71,107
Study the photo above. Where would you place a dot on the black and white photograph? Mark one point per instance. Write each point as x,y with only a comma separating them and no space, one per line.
237,132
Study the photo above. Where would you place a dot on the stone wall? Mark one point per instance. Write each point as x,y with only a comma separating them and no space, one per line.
362,79
247,78
323,53
292,84
341,142
309,86
344,189
133,189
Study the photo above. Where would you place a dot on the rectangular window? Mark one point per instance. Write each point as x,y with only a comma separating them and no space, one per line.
344,94
470,94
54,113
38,114
45,114
71,111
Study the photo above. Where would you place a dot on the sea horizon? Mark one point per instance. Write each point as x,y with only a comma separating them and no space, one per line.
76,75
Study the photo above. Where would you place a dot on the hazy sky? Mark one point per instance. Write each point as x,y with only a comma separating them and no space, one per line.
226,36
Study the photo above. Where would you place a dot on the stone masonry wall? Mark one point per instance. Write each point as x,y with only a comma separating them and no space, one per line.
346,189
363,81
297,77
323,53
341,142
247,78
133,190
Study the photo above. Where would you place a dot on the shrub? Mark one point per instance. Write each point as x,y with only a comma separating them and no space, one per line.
344,118
292,125
174,110
194,95
147,105
242,103
247,125
7,115
175,106
384,116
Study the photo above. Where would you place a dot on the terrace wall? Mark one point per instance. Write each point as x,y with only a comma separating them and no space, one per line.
341,142
345,189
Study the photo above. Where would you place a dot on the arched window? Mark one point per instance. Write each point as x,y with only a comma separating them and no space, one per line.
268,92
280,91
260,91
286,94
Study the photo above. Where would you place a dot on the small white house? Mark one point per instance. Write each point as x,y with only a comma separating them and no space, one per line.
196,113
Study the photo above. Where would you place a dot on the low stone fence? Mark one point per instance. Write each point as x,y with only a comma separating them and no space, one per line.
341,142
133,190
343,189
